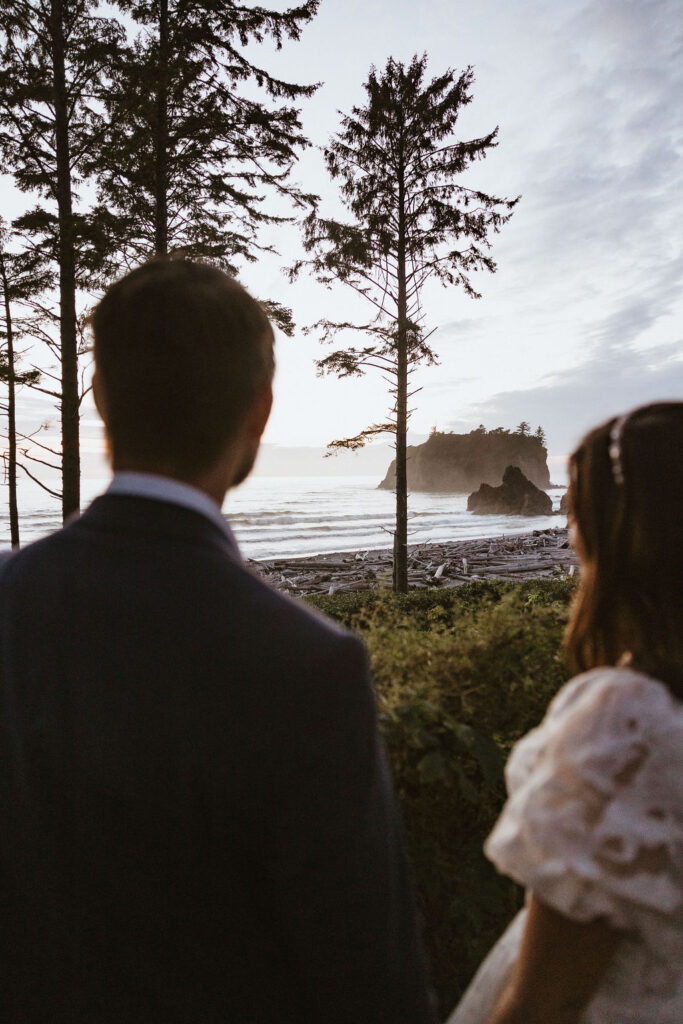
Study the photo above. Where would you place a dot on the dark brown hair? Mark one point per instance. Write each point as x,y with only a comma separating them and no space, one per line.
181,351
625,504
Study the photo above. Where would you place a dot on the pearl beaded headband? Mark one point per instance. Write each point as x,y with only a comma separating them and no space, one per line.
615,445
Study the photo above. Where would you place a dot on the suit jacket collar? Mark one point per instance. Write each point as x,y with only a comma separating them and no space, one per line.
175,492
152,517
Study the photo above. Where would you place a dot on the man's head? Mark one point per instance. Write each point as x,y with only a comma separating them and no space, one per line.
183,370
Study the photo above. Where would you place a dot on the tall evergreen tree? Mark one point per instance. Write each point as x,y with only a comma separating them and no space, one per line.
53,56
411,220
21,277
192,152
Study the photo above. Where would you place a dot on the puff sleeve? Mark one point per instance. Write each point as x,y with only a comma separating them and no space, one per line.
593,825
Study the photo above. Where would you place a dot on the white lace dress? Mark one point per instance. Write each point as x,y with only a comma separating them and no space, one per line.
594,827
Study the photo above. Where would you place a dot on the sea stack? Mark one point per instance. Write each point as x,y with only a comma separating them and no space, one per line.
458,463
517,495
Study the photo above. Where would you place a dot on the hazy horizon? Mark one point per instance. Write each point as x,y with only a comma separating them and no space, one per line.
276,460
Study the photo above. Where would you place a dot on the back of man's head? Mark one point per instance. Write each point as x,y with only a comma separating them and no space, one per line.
182,352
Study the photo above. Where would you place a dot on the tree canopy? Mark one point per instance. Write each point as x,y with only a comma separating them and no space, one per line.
200,137
54,56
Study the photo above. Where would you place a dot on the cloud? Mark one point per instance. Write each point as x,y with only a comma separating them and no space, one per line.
592,257
599,154
572,402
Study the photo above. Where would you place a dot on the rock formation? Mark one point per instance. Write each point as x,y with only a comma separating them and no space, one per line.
564,504
516,496
459,463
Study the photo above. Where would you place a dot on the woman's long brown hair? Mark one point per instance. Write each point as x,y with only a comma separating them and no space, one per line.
626,508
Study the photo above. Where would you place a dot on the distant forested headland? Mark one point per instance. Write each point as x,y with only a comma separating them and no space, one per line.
461,462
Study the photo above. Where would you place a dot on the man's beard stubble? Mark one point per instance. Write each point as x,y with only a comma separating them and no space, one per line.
246,464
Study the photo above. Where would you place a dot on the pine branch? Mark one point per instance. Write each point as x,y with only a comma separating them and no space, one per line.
41,462
354,444
49,490
32,439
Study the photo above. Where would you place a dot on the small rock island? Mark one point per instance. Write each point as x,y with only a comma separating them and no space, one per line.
516,496
460,463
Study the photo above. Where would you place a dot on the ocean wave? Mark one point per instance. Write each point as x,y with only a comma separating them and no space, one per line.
269,519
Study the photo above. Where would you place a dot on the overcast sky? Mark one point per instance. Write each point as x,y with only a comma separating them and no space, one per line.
583,317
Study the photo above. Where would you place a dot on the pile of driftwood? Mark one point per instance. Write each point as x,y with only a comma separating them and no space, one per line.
446,564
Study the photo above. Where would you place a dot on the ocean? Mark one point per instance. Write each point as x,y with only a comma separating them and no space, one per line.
280,517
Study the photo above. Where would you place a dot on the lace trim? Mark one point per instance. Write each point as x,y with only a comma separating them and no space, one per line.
593,823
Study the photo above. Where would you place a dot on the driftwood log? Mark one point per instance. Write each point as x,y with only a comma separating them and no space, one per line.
542,554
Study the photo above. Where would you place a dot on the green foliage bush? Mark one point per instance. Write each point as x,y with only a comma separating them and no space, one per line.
460,675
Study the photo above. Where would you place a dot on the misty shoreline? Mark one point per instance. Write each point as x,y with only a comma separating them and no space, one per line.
543,554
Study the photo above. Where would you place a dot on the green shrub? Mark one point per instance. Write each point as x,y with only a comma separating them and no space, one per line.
460,676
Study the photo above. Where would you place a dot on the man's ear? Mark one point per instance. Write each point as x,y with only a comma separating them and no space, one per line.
260,413
98,396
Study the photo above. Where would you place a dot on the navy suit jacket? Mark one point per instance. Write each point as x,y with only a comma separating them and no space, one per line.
196,819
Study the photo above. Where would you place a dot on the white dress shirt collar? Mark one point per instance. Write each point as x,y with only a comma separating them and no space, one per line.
173,492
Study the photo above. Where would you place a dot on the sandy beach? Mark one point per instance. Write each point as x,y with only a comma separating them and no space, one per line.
541,554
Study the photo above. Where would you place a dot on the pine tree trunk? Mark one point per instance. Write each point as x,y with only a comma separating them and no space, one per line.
161,139
71,468
401,537
11,415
